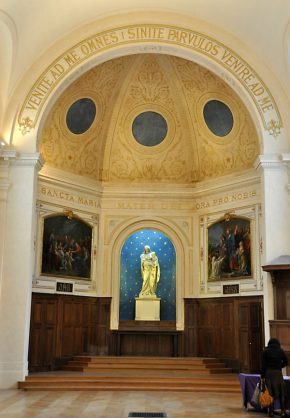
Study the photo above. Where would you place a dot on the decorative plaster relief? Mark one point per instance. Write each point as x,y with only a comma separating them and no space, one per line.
175,88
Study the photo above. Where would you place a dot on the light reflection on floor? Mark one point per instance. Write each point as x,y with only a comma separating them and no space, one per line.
106,404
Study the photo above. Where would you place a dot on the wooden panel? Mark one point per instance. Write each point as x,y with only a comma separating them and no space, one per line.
206,346
36,314
103,333
280,326
35,353
50,313
133,344
244,350
251,335
190,337
226,328
281,330
65,325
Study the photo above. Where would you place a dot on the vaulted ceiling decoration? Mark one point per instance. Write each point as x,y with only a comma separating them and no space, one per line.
149,117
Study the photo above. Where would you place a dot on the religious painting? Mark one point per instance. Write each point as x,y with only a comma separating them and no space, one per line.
229,249
66,247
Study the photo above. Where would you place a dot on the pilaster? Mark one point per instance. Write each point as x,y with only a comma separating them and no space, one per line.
18,186
276,221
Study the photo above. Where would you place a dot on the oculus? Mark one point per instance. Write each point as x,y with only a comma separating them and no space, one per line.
81,115
149,128
218,118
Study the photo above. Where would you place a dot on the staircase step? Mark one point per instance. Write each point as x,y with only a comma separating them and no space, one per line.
129,388
137,373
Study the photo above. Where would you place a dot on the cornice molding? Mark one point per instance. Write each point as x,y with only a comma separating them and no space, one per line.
55,177
272,161
7,153
33,159
286,157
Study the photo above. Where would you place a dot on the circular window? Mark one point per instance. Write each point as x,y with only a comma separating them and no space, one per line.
81,115
218,117
149,128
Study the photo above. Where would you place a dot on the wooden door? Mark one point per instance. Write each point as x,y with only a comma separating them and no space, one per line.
42,334
251,336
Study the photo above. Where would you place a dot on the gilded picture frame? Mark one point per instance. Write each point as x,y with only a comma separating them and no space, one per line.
66,247
229,249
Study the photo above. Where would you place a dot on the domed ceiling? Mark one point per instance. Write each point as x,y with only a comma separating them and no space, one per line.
149,117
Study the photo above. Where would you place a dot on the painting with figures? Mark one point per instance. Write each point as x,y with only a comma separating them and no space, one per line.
66,250
229,249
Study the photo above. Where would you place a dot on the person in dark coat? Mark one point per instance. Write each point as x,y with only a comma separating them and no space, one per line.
273,361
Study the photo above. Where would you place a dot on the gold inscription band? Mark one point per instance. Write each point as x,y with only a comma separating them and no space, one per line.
200,43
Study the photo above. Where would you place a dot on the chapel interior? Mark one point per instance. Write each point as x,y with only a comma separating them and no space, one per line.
161,126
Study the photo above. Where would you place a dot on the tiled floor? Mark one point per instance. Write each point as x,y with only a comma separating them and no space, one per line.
37,404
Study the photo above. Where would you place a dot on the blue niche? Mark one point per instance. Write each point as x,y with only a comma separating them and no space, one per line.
131,280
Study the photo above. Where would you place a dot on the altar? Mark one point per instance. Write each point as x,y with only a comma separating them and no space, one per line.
248,384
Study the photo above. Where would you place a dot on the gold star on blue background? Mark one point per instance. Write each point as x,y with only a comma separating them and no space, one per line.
131,280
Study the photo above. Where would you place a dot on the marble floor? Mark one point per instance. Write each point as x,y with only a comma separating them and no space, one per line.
78,404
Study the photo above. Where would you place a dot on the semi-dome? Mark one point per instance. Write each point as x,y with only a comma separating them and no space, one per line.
149,117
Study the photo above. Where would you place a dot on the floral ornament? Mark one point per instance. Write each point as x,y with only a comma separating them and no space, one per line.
25,125
274,128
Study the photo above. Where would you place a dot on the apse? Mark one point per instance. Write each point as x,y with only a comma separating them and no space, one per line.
130,272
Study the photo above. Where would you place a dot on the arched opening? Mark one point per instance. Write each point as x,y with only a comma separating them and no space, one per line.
131,277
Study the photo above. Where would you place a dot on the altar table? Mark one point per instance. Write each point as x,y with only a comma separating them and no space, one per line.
248,384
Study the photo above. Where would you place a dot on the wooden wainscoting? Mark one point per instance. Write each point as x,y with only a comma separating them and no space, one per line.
63,326
228,328
148,338
281,329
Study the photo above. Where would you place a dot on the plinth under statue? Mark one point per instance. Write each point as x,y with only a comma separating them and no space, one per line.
148,304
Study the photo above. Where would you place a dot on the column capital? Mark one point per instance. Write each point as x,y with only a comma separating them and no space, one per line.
272,161
7,152
32,159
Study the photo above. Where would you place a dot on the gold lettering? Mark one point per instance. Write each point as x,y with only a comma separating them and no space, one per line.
85,49
107,39
248,78
266,104
225,56
172,35
237,65
34,100
71,58
56,71
131,33
144,32
215,49
256,88
245,72
183,37
114,37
